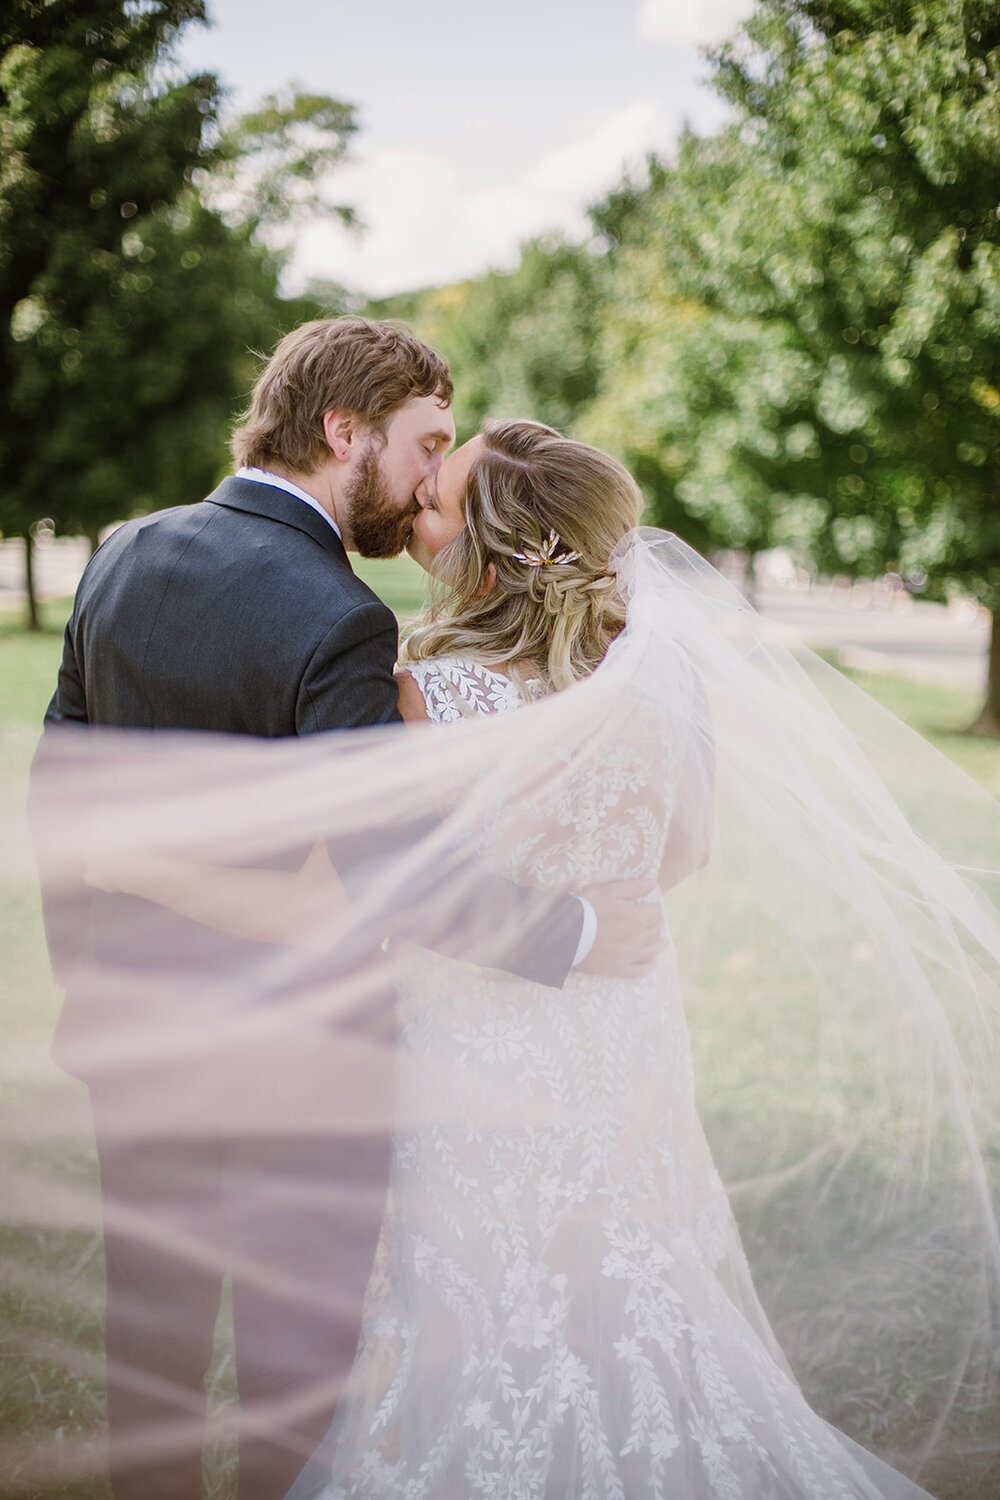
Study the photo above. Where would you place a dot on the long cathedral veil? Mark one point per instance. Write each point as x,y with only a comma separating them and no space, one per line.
835,914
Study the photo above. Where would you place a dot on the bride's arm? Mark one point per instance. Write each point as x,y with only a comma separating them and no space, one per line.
304,908
412,706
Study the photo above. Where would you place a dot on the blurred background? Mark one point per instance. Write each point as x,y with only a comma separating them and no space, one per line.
752,249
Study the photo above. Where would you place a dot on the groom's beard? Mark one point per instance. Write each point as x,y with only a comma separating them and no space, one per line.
379,528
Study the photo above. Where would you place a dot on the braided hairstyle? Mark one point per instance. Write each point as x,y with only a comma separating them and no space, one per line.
554,604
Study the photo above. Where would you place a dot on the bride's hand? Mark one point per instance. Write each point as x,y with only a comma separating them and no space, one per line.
631,933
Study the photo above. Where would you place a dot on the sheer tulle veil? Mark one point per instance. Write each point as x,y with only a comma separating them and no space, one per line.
837,943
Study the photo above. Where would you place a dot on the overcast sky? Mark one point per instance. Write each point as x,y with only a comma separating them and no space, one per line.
481,124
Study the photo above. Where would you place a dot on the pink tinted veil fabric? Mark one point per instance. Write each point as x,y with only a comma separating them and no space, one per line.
726,1230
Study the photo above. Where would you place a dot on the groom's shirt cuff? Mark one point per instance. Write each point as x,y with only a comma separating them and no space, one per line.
588,931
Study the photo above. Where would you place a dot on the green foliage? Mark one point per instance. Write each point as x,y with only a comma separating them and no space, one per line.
850,214
792,333
93,161
802,341
520,343
137,268
279,153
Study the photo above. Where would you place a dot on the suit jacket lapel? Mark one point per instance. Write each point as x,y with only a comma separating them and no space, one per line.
278,505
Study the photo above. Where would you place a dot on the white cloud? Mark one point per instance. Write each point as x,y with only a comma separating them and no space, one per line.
428,222
691,23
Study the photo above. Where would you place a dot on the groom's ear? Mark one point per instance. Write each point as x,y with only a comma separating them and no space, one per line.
341,428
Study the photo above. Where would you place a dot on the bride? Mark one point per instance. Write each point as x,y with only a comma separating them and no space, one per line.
562,1307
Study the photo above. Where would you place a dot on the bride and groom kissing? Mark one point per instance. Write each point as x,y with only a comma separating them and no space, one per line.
490,1254
242,616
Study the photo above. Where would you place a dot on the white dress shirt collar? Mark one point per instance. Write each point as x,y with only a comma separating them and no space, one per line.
264,476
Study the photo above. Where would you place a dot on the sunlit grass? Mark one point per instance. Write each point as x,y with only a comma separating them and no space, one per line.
400,581
942,714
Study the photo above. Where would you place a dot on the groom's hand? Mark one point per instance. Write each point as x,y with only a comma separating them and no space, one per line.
631,933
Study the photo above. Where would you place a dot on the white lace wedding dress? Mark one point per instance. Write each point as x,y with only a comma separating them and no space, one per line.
561,1306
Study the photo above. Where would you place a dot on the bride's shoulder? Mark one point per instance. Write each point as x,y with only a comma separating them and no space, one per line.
412,698
430,669
427,688
447,688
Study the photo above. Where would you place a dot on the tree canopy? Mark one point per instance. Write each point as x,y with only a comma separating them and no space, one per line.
136,269
791,332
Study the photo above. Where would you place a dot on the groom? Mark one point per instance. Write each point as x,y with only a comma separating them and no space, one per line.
241,615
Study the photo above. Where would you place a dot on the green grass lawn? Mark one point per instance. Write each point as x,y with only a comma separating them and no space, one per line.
942,714
50,1276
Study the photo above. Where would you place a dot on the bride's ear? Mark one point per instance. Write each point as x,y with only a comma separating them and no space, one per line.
488,583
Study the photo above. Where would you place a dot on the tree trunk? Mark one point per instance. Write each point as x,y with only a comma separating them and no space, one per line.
750,577
989,719
93,540
32,620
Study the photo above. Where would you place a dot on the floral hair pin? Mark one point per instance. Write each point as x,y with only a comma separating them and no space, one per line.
545,556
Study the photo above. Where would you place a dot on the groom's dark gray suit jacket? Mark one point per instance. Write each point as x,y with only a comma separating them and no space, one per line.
242,615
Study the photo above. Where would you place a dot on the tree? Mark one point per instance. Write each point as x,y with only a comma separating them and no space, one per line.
520,343
135,267
688,401
848,222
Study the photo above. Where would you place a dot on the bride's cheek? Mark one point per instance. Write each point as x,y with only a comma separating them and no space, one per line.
429,541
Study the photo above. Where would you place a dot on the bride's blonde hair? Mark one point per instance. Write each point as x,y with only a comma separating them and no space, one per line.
526,483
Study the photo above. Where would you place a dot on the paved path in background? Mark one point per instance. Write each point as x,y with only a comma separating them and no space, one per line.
871,629
887,633
58,565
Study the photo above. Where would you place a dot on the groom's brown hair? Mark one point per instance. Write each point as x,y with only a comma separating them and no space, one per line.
337,364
